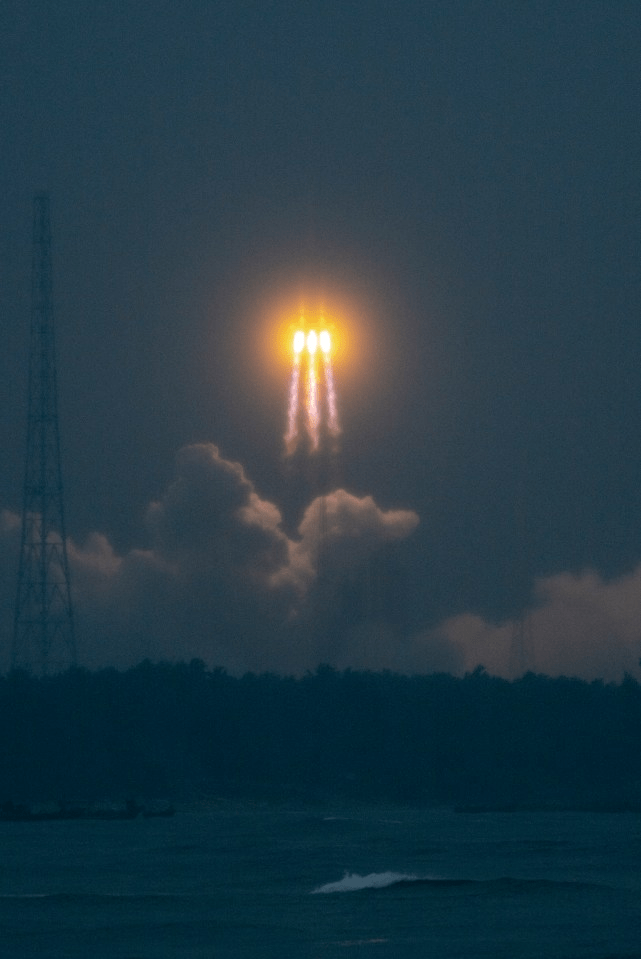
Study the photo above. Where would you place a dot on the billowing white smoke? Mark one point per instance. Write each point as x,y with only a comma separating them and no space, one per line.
580,625
352,528
221,579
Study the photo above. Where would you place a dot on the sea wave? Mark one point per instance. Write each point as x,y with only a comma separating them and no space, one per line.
354,882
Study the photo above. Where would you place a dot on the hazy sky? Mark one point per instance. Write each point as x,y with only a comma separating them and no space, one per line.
461,181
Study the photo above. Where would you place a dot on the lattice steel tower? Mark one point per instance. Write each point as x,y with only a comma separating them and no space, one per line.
43,634
521,655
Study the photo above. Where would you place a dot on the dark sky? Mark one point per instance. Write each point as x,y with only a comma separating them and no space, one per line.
460,181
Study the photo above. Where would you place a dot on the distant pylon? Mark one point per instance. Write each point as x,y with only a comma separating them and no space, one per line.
521,653
43,632
321,533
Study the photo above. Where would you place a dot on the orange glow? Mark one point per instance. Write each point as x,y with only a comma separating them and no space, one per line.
351,314
323,329
268,304
312,394
290,335
313,340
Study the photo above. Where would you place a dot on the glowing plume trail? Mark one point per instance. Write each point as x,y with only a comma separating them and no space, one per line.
310,348
332,411
292,411
313,419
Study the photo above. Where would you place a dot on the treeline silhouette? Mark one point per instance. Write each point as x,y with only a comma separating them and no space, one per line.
183,731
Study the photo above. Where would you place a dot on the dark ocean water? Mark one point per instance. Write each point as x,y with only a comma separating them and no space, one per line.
242,880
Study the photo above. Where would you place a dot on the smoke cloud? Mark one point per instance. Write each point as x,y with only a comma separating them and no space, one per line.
222,580
579,625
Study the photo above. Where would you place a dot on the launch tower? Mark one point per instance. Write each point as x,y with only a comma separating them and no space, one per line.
43,634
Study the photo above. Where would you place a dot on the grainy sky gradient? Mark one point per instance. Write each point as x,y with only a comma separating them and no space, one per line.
462,181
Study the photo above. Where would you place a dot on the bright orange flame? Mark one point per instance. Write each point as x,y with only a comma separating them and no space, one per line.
312,344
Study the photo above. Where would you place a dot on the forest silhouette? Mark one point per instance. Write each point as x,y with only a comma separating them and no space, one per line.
184,732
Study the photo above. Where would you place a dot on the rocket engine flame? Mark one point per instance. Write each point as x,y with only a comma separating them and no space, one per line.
305,346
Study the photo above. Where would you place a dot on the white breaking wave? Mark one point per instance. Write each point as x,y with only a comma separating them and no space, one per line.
352,881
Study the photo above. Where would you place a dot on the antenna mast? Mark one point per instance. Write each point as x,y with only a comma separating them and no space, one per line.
43,634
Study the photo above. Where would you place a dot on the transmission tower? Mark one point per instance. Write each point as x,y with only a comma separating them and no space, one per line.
521,642
521,655
43,633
